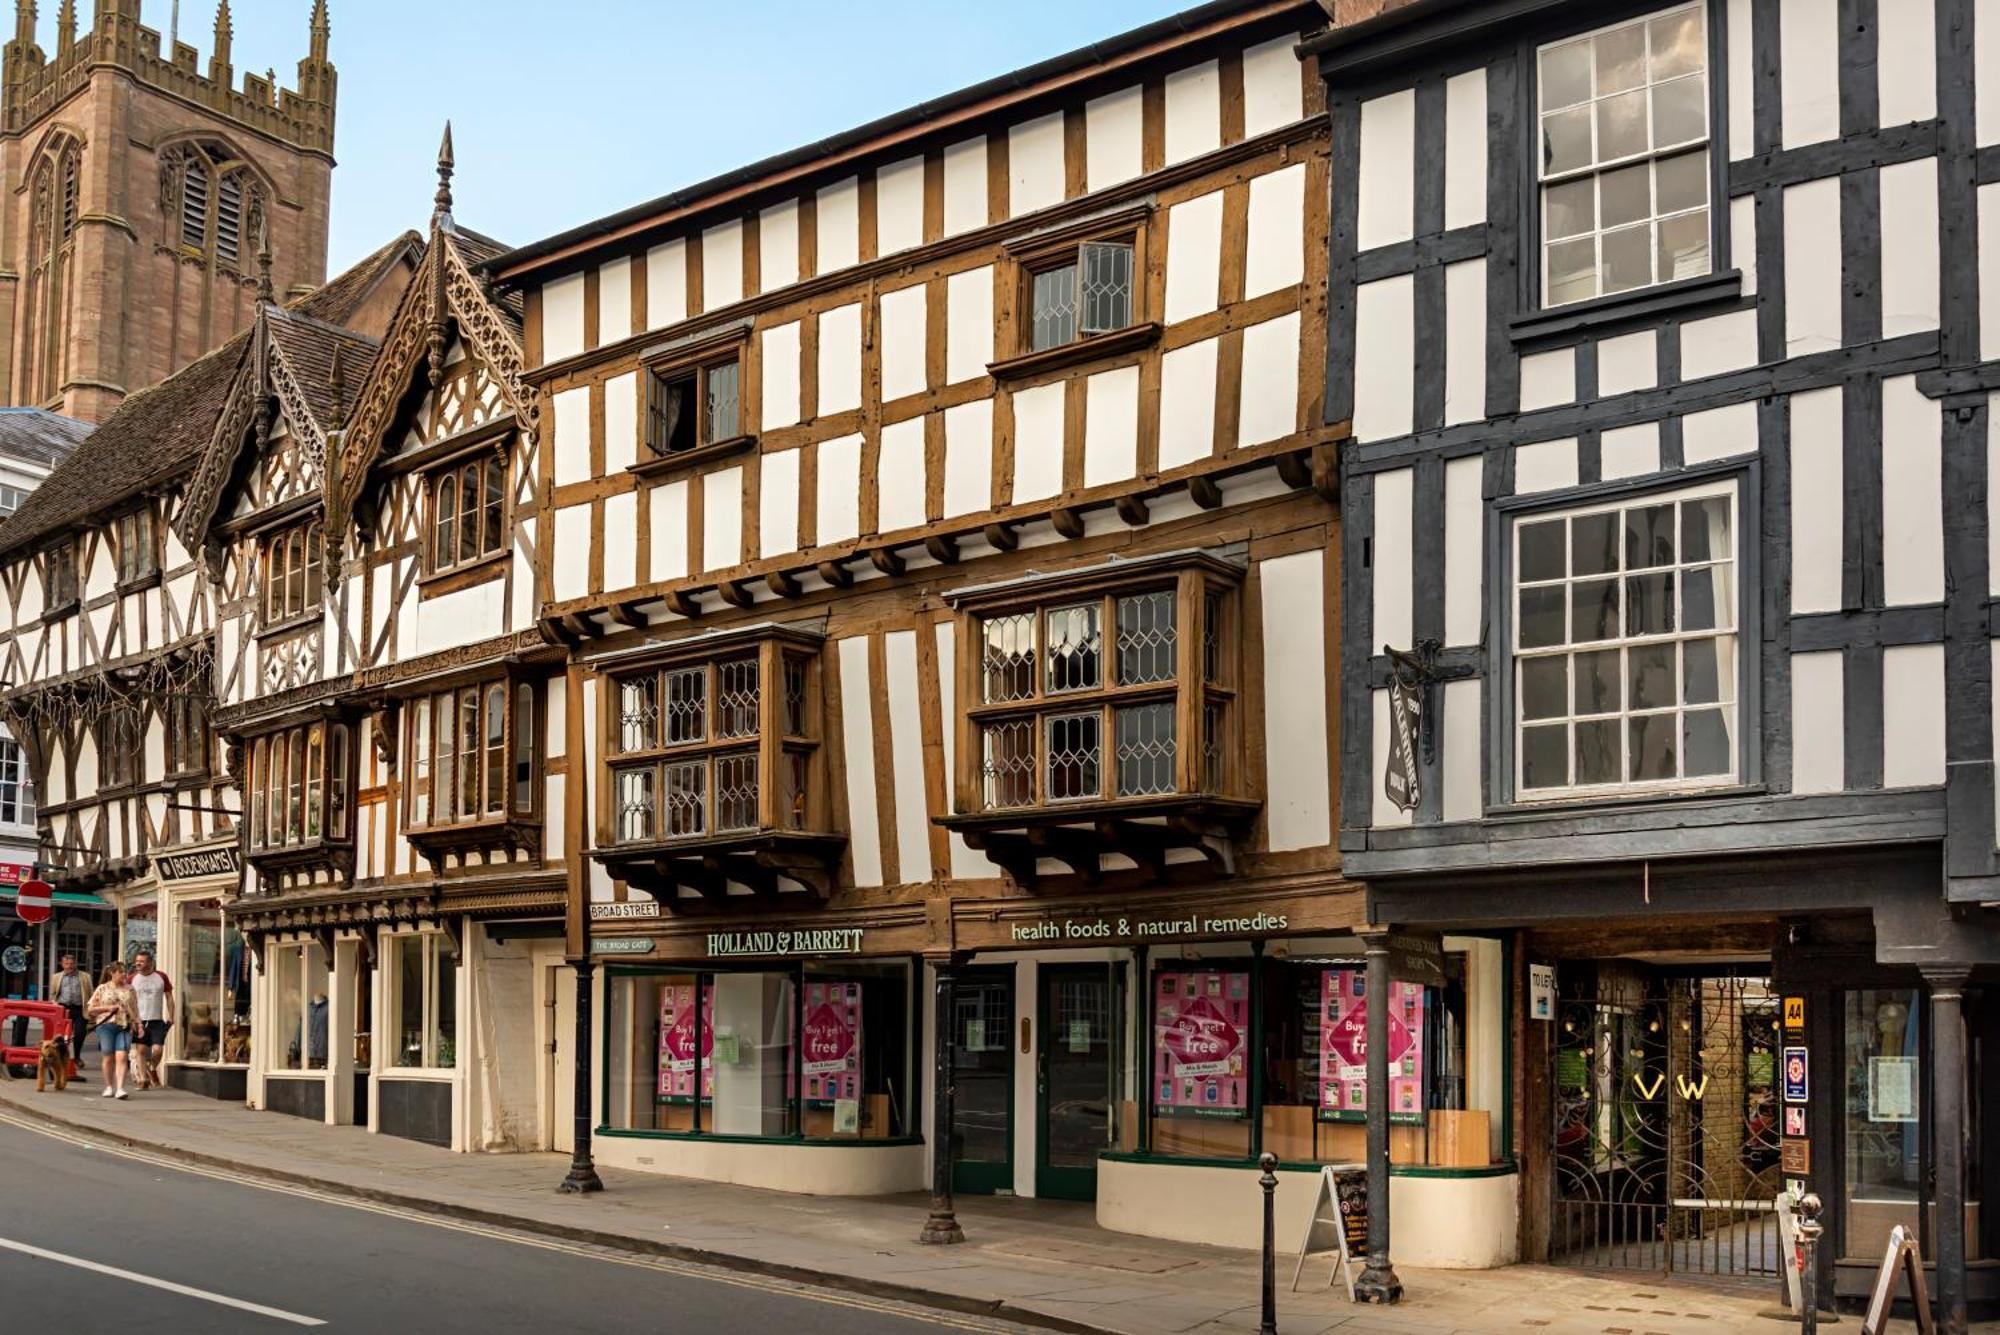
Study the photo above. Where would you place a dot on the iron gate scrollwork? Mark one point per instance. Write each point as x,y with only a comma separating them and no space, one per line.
1666,1128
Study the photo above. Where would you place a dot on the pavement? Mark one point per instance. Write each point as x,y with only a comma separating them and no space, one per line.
1040,1263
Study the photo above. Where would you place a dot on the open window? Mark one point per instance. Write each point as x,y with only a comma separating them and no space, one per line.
1081,293
694,402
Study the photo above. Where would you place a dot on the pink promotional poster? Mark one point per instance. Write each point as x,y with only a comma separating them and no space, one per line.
677,1045
1200,1026
833,1041
1343,1048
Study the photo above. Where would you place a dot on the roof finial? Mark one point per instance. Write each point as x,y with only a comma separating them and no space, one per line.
66,26
441,210
24,22
218,60
265,292
320,29
336,383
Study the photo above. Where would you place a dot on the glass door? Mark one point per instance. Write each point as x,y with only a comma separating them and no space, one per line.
1886,1158
1079,1076
983,1056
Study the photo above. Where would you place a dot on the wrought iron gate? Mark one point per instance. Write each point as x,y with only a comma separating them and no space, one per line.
1666,1128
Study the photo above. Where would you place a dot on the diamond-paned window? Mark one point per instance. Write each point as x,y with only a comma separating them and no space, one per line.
736,698
1146,637
1080,293
1076,648
638,713
1076,754
1008,658
736,791
687,799
687,705
1145,749
1008,763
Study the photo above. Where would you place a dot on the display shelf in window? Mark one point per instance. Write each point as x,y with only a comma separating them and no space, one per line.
472,771
716,767
1100,716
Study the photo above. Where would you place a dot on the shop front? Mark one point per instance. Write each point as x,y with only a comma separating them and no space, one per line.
180,917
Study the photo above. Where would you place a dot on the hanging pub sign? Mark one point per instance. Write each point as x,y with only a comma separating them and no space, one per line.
1399,777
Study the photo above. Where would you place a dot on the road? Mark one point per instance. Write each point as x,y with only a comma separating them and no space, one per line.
225,1255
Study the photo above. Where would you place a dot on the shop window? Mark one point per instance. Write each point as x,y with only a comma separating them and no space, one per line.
59,581
300,982
1623,143
138,549
819,1050
118,746
694,405
17,789
213,984
1625,645
294,580
424,975
299,788
468,512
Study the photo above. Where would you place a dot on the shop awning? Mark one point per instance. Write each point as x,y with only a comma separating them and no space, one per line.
70,897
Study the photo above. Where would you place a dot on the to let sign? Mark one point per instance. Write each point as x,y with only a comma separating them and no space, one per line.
33,902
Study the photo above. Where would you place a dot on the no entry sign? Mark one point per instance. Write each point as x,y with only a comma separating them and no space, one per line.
32,901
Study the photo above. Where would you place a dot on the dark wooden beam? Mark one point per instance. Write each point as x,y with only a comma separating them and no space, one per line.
943,548
1295,469
1326,471
683,602
1204,492
836,574
1075,849
1004,537
735,592
580,625
885,560
628,614
782,583
1068,521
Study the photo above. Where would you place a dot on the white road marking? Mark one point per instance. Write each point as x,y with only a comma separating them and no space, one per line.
223,1299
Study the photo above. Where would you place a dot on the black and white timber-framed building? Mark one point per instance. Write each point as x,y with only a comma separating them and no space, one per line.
1660,327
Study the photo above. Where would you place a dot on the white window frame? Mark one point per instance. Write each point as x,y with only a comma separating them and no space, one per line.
432,944
297,957
17,787
1597,168
1730,684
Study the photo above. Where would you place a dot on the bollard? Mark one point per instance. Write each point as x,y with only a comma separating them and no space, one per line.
1269,1181
1807,1262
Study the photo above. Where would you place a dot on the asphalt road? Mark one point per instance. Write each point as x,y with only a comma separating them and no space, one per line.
252,1259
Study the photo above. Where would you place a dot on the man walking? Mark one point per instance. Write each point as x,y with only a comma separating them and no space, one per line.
70,990
155,992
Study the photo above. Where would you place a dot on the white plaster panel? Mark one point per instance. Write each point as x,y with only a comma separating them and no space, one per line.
965,205
1273,87
1465,149
1194,257
562,318
667,512
465,616
838,216
1194,111
1394,587
1819,722
968,457
900,478
1388,170
1809,72
1628,362
906,755
571,567
1111,138
1912,494
1719,344
1989,269
722,519
1743,240
1742,82
572,435
1035,164
1812,266
1629,451
1269,406
1464,548
857,707
621,422
1460,795
966,862
722,265
1187,403
839,359
621,542
1464,341
525,593
899,206
1274,256
1718,433
1384,358
1910,245
1546,465
666,284
780,371
1293,608
902,334
1817,506
1993,498
1111,426
778,246
1912,715
1906,65
614,300
968,327
839,504
1548,379
1038,441
1986,78
778,503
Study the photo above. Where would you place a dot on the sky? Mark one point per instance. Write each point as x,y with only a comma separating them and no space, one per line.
565,110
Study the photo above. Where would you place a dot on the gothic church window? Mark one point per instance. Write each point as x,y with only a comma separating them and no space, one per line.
56,202
212,199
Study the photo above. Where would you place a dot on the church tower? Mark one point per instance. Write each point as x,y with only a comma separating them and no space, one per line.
137,185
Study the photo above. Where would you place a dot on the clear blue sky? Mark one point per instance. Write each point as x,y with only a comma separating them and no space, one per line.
565,110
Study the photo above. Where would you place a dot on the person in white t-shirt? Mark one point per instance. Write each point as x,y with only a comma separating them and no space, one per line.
155,993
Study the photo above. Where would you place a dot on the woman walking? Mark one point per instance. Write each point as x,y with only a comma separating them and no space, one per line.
114,1009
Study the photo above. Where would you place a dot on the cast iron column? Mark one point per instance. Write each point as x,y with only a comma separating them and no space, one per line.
1378,1282
582,1172
942,1226
1948,1141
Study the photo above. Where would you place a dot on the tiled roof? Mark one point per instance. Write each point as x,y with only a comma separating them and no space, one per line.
307,345
38,436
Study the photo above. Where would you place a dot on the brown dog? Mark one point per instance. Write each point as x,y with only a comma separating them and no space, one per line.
52,1066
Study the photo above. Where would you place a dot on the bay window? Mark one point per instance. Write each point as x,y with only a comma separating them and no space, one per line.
299,789
472,754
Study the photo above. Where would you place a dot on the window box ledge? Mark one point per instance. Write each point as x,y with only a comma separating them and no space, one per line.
498,834
278,630
1640,304
331,853
66,608
758,859
465,574
1087,349
139,583
667,465
1155,833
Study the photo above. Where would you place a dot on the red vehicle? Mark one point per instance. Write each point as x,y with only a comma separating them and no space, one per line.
23,1026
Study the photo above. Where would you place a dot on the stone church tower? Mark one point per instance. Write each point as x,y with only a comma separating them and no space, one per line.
137,188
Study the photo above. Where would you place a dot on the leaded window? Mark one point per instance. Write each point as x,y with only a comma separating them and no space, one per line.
692,405
1625,645
1081,292
138,550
